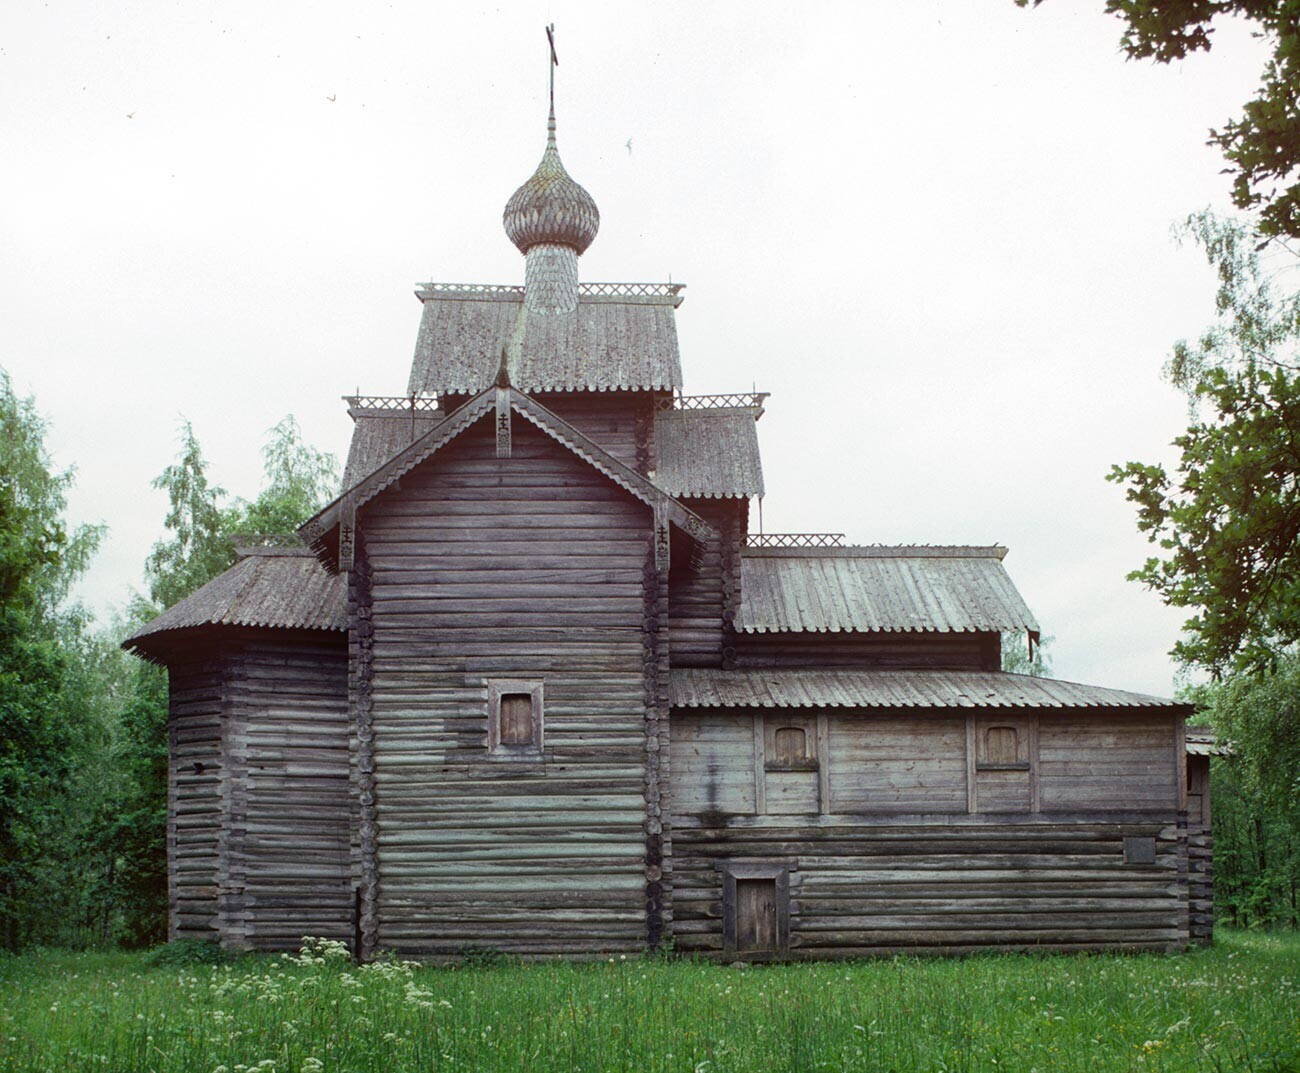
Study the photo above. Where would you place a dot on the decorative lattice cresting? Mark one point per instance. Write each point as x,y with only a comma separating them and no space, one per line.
794,540
395,404
747,400
649,293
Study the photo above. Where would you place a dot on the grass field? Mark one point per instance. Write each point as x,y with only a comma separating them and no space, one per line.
1234,1007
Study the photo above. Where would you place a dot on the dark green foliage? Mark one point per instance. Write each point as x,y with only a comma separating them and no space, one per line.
183,953
1262,145
45,729
1256,794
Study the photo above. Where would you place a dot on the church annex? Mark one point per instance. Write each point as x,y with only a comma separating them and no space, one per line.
530,684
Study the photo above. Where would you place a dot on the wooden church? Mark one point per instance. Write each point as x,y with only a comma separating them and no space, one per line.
530,684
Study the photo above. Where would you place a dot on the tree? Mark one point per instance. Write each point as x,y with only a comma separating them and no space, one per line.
1228,518
42,729
1262,145
300,480
1019,657
200,547
1256,790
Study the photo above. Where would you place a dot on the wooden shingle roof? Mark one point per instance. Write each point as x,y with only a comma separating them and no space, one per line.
378,436
622,337
708,453
708,688
280,588
928,589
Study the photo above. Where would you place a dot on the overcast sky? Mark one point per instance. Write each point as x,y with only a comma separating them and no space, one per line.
937,231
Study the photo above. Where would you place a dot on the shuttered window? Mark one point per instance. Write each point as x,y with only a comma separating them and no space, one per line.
1002,745
516,719
791,745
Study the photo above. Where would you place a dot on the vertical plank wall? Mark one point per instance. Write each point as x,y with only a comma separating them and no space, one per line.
892,851
528,568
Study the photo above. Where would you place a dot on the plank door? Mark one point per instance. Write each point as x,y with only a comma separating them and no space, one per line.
756,916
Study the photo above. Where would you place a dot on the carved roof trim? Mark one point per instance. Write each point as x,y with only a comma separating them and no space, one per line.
317,532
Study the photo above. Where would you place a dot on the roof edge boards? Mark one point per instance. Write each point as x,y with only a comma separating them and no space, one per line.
882,551
316,531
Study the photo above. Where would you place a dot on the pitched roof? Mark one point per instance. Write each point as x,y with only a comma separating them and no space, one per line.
320,532
621,337
710,453
1202,741
284,588
707,688
378,435
938,589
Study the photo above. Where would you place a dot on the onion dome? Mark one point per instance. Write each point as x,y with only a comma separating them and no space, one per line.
550,208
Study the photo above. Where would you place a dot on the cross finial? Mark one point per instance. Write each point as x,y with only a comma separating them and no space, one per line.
555,62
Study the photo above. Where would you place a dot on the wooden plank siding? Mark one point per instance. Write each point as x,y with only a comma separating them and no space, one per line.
532,567
890,850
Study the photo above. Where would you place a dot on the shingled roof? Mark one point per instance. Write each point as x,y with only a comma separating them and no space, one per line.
707,688
378,435
621,337
931,589
708,453
281,588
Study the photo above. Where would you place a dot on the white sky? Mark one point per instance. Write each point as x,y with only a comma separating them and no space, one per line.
938,231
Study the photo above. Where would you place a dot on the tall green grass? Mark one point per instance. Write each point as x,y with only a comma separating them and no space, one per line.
1233,1007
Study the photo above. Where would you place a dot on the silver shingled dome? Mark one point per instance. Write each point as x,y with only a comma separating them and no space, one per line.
550,207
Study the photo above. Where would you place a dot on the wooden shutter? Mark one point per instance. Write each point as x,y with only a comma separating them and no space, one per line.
516,719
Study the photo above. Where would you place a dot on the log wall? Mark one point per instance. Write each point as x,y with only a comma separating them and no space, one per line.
287,861
704,593
533,569
622,422
911,651
257,793
194,794
888,837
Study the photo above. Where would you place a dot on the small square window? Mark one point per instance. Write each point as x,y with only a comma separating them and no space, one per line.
514,719
789,747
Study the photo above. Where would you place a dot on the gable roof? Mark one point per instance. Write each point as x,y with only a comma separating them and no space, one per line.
281,588
320,531
622,337
707,688
829,590
708,453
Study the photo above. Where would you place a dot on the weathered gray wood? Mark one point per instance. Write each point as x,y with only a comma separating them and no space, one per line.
464,590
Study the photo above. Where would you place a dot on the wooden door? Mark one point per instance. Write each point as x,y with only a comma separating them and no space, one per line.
756,924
